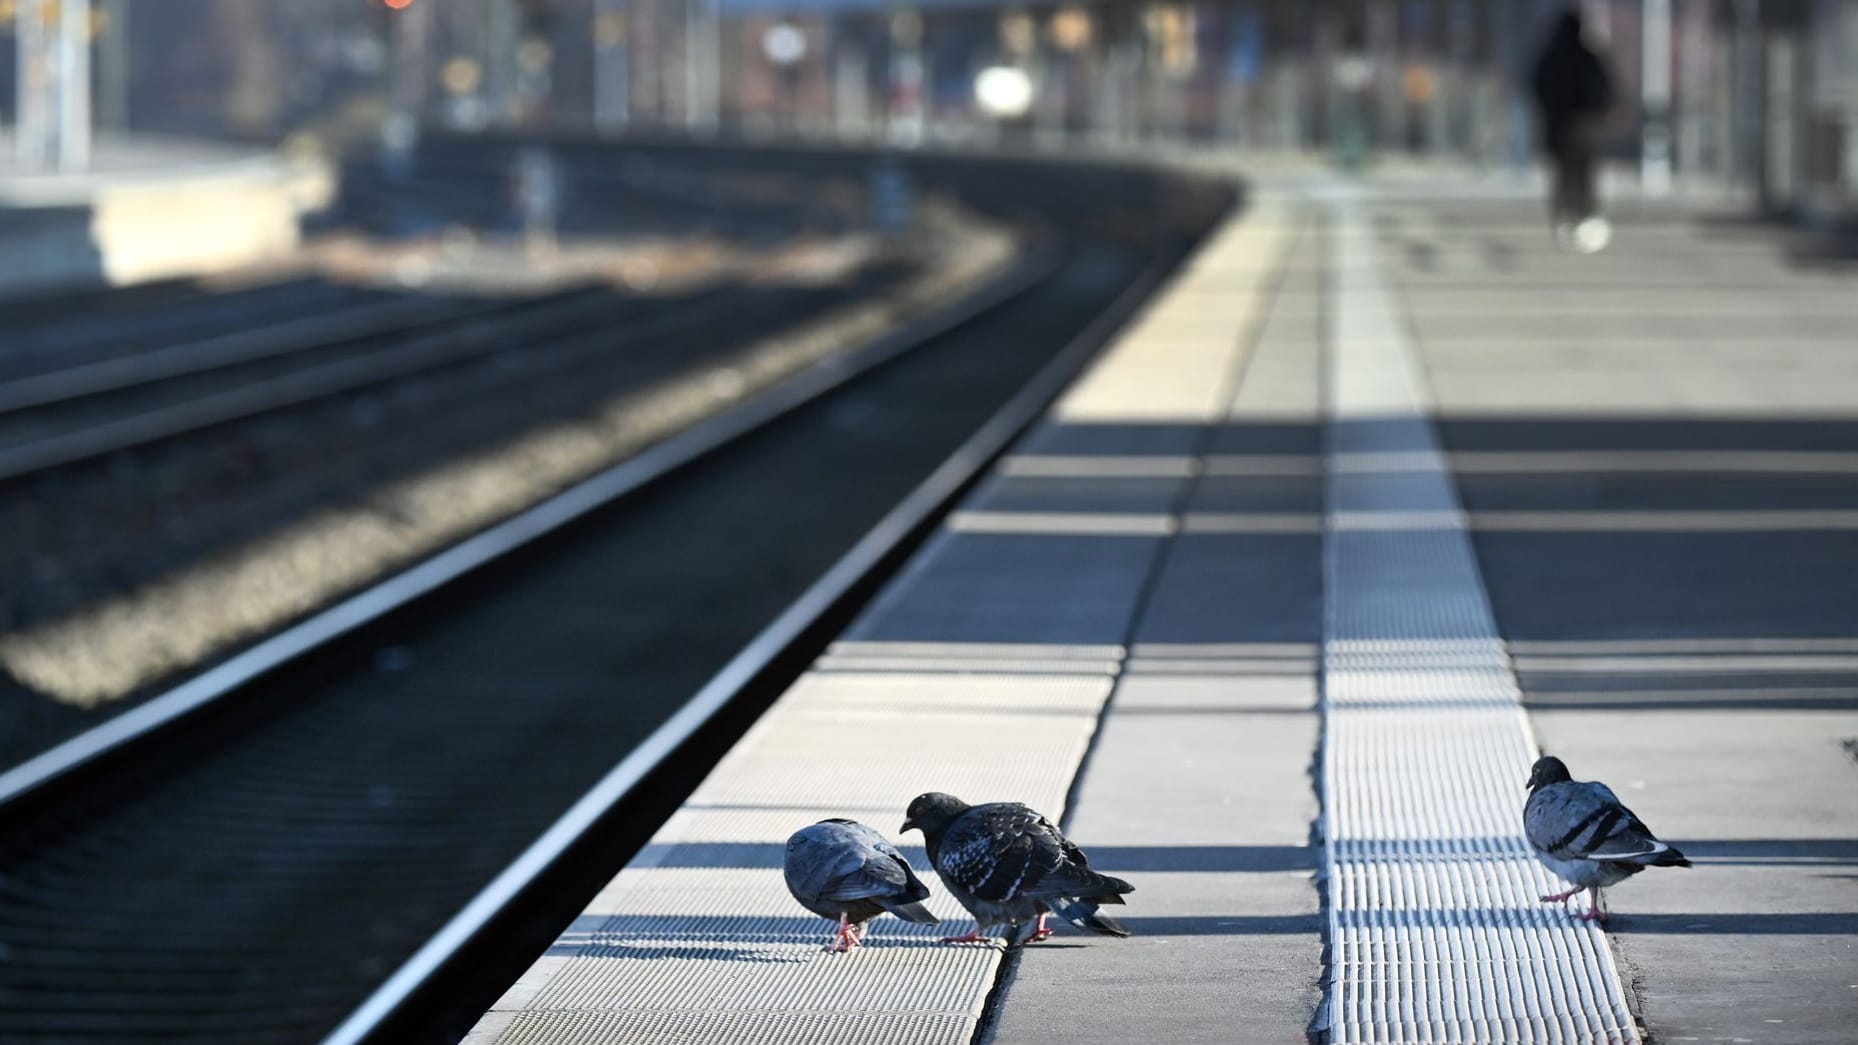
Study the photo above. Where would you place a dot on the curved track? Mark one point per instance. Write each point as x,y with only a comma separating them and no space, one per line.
78,413
215,420
252,870
141,366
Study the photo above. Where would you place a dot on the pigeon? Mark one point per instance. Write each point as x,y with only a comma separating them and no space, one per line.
1581,832
1010,867
843,869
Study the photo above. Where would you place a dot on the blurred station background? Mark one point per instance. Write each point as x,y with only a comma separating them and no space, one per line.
393,389
1761,92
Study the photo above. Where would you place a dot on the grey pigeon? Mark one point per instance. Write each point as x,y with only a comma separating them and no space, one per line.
1581,832
1009,867
843,869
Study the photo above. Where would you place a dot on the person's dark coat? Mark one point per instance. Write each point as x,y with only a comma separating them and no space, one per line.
1571,85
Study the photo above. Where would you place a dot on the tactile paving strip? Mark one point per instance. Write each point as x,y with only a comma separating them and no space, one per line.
1436,930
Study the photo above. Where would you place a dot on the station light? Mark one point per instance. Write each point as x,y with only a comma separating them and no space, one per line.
1018,34
784,44
397,5
460,76
1003,91
609,29
534,55
1070,29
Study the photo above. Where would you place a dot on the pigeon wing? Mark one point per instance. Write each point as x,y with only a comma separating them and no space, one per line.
868,867
995,851
1629,840
834,860
1581,820
811,863
1072,875
892,866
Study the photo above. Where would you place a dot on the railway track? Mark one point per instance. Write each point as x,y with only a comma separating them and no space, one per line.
160,365
65,416
241,416
357,801
129,322
601,195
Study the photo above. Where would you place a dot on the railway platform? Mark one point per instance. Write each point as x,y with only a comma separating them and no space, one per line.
1376,498
150,208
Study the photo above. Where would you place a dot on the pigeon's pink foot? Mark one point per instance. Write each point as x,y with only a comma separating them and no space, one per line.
1591,915
1594,912
846,938
974,936
1040,932
1560,897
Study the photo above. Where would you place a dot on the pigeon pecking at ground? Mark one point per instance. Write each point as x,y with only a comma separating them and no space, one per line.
1581,832
1009,867
843,869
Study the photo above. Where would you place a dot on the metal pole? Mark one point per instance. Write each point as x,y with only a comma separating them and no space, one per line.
1514,22
1655,151
851,111
31,87
409,33
1751,83
113,66
500,80
692,76
1693,54
74,85
701,77
611,105
412,29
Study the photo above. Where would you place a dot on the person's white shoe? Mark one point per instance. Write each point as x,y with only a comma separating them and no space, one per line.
1592,235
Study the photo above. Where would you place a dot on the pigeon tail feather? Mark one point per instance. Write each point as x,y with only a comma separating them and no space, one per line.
1670,858
1112,888
1082,881
1084,914
910,912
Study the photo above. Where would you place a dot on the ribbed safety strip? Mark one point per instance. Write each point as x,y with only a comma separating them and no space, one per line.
1436,930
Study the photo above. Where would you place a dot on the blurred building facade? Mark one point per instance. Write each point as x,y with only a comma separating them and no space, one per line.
1762,92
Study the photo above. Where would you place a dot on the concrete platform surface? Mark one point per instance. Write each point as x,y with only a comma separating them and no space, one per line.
1657,446
1645,457
981,670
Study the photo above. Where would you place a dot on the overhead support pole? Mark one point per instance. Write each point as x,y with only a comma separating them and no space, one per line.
612,77
112,101
74,85
702,65
32,121
1655,149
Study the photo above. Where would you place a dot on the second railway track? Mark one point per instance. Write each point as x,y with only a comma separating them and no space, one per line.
161,365
252,871
72,415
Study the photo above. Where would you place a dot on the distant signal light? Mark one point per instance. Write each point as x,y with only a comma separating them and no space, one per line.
397,5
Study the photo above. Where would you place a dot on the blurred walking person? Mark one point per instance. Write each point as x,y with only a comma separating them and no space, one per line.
1573,92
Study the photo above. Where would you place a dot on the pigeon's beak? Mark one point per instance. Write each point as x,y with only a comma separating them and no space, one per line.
908,825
